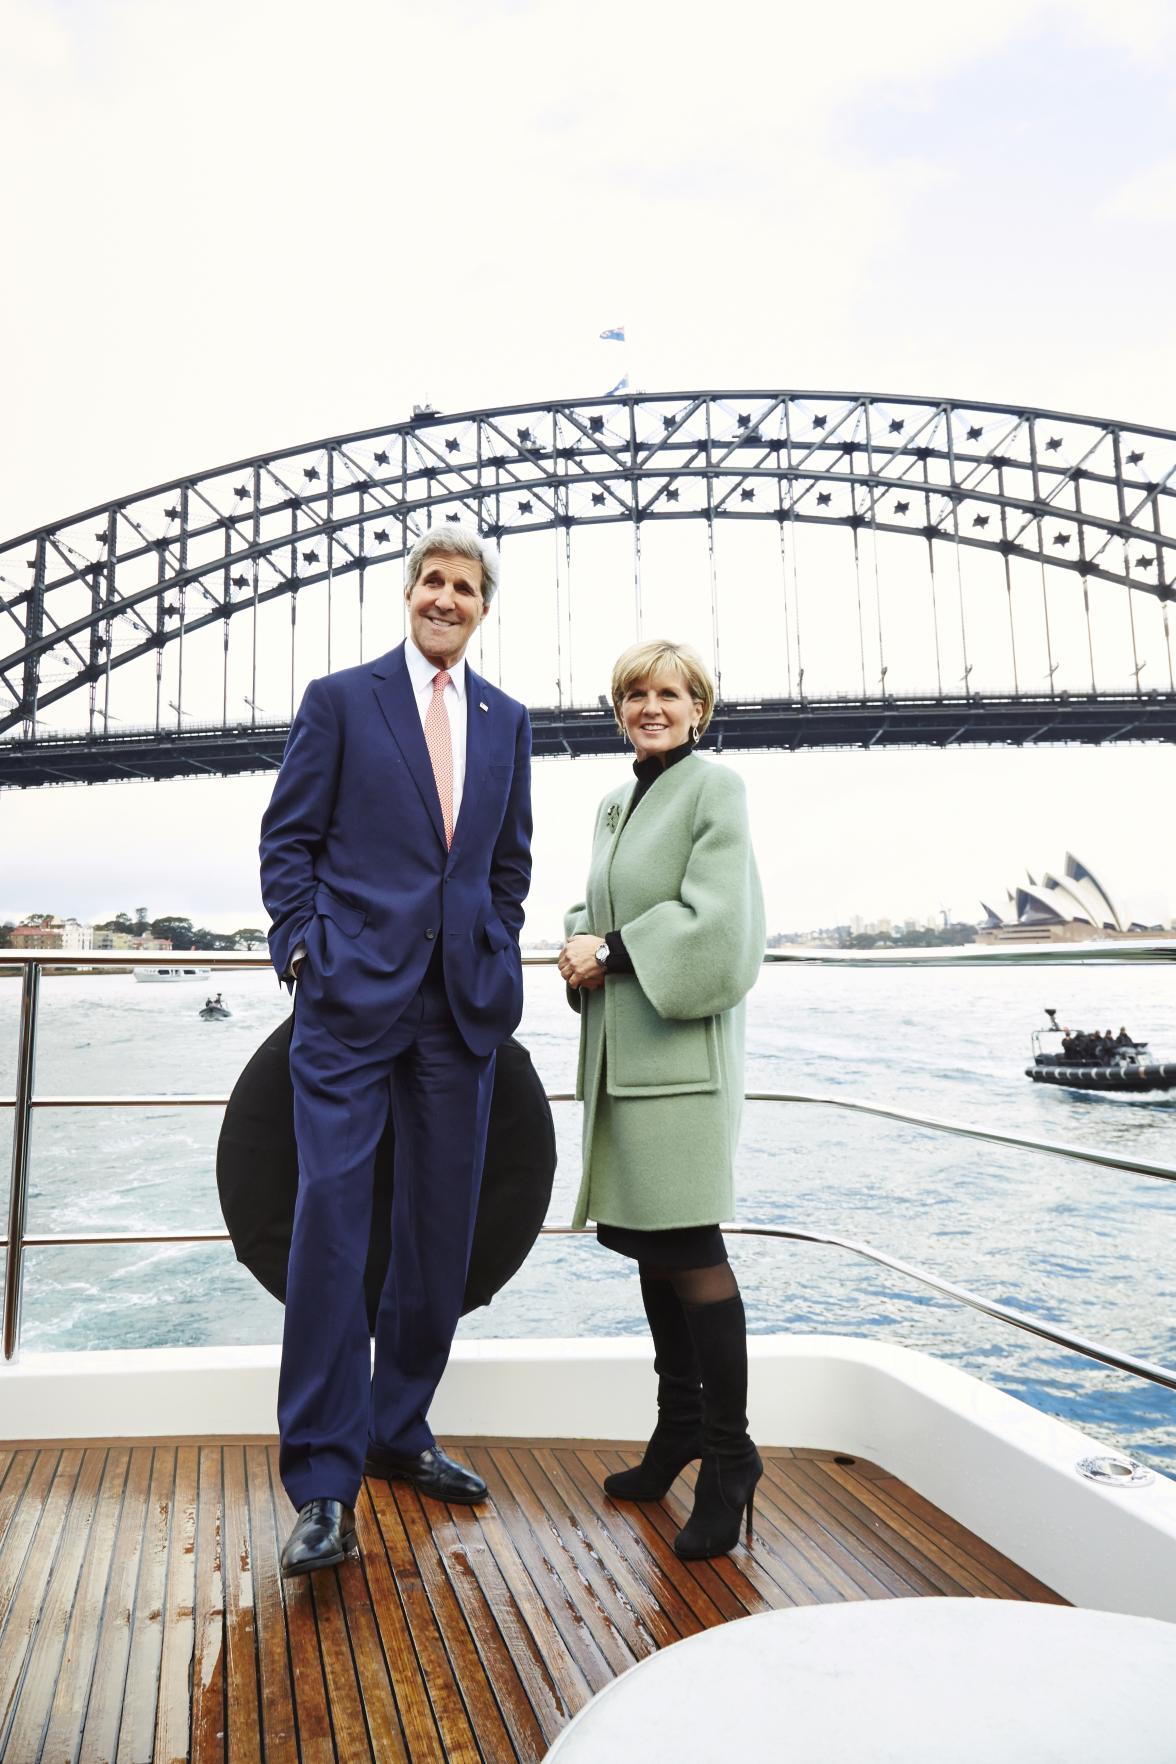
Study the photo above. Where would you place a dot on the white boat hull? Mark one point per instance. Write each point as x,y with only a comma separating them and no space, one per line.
170,976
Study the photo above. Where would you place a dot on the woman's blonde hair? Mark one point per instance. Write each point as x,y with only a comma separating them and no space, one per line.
645,661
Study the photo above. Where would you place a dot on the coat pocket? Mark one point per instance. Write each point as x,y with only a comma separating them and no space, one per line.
350,919
648,1055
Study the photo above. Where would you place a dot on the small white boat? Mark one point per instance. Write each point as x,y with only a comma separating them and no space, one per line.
170,975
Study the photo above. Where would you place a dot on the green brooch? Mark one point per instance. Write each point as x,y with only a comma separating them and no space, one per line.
613,817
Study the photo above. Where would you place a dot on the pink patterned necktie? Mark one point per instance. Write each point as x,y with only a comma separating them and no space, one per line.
440,746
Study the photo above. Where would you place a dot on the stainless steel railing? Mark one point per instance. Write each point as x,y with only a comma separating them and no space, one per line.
25,1101
18,1193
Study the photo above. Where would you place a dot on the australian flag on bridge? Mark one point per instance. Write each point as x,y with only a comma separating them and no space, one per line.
616,334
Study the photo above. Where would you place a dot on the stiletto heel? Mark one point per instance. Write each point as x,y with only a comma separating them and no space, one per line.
724,1491
731,1466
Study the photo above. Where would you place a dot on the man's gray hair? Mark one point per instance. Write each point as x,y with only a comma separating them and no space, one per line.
464,542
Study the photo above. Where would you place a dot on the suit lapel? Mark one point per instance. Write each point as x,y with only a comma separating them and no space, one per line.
611,852
665,785
477,749
398,706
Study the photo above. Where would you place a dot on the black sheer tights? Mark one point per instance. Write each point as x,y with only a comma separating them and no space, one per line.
696,1286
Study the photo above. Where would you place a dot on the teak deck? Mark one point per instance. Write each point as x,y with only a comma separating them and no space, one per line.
142,1616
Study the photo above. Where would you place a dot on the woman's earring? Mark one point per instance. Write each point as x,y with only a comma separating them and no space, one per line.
694,733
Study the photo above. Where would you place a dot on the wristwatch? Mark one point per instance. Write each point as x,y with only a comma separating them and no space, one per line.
602,952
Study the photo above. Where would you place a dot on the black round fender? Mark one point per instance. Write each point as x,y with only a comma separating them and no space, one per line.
257,1174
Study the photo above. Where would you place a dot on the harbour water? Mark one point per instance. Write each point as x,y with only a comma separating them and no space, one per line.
1090,1249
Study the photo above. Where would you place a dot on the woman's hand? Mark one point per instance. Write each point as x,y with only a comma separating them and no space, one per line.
578,964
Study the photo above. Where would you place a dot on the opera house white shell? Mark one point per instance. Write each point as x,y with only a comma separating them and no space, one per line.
1074,898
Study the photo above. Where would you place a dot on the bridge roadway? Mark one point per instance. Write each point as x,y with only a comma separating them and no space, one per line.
986,720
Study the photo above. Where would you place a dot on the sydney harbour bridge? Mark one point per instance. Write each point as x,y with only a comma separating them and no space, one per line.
861,570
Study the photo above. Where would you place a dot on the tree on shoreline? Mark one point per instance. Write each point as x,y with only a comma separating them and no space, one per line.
177,929
120,922
937,937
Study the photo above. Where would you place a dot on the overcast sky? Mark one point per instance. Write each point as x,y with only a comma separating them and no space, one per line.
232,227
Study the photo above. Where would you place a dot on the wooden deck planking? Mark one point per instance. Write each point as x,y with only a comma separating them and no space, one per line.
143,1618
178,1640
536,1557
275,1690
823,1533
68,1712
136,1734
18,1467
108,1681
207,1740
42,1664
454,1731
979,1566
421,1737
30,1554
486,1677
570,1688
243,1723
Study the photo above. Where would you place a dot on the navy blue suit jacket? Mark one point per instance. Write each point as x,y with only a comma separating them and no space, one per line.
354,863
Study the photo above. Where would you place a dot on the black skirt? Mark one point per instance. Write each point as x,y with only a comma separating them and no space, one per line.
685,1246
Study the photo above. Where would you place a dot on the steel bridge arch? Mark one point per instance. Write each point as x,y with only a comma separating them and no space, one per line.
1093,496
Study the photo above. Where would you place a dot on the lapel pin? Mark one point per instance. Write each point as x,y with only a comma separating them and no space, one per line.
482,706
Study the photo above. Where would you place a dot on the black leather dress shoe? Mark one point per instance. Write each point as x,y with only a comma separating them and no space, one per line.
432,1473
323,1534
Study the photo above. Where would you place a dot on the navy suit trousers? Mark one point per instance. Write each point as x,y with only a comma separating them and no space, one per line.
330,1398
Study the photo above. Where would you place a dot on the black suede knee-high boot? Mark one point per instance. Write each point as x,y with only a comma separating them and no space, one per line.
677,1438
731,1466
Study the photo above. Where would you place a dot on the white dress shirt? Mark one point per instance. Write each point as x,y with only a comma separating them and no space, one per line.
421,674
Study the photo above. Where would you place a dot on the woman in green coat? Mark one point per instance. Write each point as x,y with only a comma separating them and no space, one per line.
659,959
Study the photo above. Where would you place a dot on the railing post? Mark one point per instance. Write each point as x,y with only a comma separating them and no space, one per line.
18,1192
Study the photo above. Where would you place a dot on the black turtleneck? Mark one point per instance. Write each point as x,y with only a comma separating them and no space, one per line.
647,772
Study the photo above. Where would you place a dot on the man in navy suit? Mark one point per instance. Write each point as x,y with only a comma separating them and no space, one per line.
395,859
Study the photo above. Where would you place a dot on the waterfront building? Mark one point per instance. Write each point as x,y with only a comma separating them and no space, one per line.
106,939
43,936
1071,908
52,933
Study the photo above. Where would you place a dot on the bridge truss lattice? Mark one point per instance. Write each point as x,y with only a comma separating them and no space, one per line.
90,596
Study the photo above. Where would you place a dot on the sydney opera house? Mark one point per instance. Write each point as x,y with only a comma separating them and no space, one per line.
1071,908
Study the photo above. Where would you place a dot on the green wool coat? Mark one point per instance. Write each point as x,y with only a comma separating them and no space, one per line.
661,1049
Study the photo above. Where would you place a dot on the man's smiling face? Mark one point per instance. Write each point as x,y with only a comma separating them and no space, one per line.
445,607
